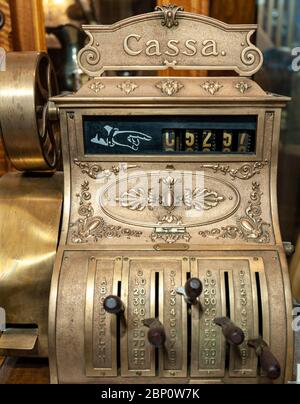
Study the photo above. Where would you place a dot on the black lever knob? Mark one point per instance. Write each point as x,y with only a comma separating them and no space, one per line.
268,362
156,333
113,305
233,334
191,291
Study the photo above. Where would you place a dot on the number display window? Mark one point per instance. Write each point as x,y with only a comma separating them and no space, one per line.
170,135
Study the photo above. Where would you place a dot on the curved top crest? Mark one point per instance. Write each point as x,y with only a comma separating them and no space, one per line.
172,38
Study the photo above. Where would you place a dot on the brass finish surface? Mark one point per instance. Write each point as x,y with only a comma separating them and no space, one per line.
143,253
25,87
19,339
209,357
100,346
30,213
224,233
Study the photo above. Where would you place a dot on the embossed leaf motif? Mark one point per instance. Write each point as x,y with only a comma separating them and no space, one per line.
242,86
212,87
202,199
97,86
169,87
134,199
128,87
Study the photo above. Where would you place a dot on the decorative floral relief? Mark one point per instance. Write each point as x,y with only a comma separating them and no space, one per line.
202,199
95,171
242,86
212,87
170,238
169,15
138,199
90,228
128,87
246,172
97,86
250,227
170,87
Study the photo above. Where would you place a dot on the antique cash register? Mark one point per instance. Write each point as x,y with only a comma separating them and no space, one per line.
170,266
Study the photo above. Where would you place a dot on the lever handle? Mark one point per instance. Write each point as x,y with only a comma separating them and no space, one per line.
191,291
233,334
156,333
113,305
269,363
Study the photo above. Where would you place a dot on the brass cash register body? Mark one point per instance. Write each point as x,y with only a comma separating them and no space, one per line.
168,179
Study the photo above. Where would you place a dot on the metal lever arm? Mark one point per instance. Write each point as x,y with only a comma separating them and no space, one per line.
233,334
269,363
191,291
156,333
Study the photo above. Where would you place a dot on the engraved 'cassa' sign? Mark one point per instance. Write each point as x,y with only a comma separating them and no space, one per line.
170,38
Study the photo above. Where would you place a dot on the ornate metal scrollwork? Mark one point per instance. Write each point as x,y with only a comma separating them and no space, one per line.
95,171
251,55
169,14
94,228
171,237
245,172
250,227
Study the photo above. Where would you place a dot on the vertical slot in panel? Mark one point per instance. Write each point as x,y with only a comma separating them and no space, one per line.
101,327
259,303
259,277
229,301
244,313
173,315
138,295
208,344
